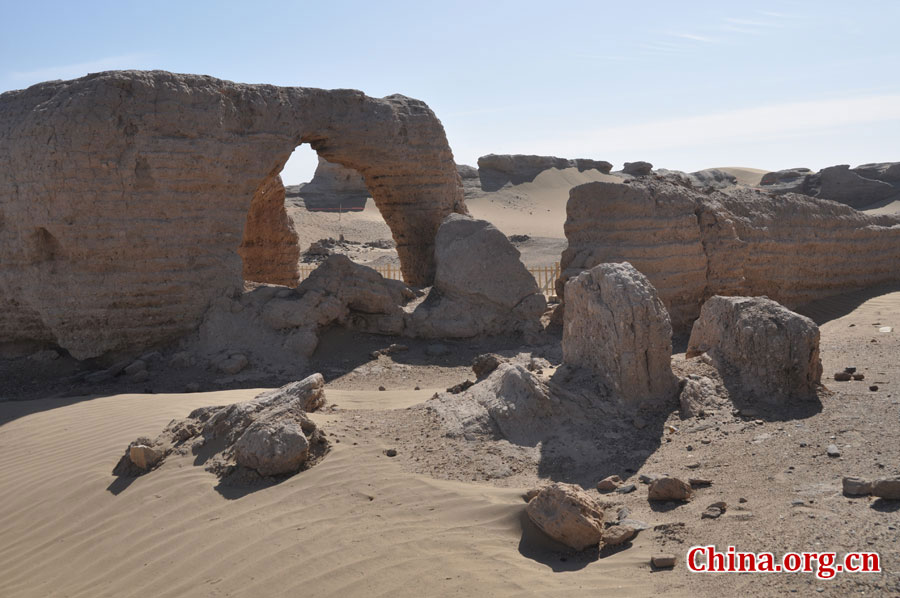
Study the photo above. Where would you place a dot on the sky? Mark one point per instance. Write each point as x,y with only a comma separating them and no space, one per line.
685,85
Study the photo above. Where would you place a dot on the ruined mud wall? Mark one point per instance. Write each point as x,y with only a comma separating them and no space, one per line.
124,195
693,245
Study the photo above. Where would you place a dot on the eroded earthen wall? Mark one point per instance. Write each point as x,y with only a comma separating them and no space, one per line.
269,250
124,195
693,245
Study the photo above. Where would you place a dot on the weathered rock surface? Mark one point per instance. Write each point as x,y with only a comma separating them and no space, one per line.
481,285
693,245
762,349
496,170
268,436
568,515
124,195
616,326
856,487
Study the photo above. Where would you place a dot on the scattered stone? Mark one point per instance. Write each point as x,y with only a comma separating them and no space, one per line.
666,488
833,451
382,388
856,487
742,500
568,515
623,513
699,482
144,456
615,535
859,376
648,478
888,488
842,376
610,483
636,524
873,388
391,452
850,370
309,393
714,511
663,560
626,489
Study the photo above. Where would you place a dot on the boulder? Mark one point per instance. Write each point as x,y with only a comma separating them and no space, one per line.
666,488
615,326
568,515
481,285
762,349
272,447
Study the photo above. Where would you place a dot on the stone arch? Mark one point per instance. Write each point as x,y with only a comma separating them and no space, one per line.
152,175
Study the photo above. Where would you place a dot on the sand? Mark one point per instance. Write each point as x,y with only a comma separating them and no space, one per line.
355,525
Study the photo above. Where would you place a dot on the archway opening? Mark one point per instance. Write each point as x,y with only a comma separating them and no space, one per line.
309,210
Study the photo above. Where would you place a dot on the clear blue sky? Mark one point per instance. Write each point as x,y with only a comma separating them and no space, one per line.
684,85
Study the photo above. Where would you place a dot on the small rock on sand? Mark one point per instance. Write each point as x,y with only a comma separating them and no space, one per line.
664,489
663,560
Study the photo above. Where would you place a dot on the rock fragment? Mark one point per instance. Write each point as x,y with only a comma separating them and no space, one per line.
666,488
568,515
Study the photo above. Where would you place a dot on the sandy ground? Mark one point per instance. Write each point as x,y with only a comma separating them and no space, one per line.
433,521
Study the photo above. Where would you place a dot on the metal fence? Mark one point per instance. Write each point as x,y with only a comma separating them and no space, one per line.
544,275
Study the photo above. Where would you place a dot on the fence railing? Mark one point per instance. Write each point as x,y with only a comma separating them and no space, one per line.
544,275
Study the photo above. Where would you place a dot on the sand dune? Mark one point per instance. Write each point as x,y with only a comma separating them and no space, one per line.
354,525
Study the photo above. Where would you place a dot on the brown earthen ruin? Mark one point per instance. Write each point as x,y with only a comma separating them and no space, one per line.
124,197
